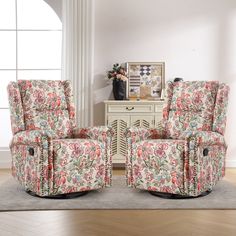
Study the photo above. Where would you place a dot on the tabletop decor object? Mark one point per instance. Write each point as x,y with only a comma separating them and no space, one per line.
118,77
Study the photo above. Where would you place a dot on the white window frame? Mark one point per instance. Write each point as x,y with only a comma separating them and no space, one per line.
4,151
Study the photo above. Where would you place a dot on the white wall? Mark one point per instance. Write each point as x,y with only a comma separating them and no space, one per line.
196,40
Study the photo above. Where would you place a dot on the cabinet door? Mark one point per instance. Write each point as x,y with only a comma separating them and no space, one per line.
119,146
158,114
158,118
142,121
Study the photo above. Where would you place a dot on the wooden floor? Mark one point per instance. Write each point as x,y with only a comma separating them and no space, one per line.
119,222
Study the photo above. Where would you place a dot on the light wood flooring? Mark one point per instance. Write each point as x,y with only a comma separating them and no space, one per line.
119,222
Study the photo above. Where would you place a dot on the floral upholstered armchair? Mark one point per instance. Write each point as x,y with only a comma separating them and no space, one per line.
185,155
50,156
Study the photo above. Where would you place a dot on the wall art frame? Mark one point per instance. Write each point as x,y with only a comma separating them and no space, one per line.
146,80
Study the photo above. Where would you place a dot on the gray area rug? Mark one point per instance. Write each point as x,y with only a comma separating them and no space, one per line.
14,198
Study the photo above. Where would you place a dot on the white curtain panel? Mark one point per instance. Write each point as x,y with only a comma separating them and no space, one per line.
77,58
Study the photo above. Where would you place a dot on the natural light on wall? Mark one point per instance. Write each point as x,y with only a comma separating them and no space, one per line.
30,46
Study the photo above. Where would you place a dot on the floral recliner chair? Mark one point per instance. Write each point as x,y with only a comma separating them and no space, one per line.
185,155
50,156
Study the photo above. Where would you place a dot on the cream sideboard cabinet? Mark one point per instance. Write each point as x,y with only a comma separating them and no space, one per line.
122,114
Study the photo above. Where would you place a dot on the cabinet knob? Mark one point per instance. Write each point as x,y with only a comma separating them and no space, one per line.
129,108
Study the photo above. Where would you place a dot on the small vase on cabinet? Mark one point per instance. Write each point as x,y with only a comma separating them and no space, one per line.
119,89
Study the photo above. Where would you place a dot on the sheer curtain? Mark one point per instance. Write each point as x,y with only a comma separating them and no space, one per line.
77,62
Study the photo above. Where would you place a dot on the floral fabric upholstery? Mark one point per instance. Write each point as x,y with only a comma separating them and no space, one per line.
186,154
219,117
50,156
46,106
191,106
102,134
16,109
202,172
152,171
78,166
33,171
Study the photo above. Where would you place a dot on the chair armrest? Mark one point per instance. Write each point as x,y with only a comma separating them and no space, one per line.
134,135
103,134
203,137
137,134
32,136
196,159
100,133
41,164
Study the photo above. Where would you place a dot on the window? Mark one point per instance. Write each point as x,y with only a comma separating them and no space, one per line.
30,46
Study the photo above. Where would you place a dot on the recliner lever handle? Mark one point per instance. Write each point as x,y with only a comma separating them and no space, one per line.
205,152
31,151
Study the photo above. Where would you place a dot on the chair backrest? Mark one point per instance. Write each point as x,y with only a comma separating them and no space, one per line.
42,105
195,105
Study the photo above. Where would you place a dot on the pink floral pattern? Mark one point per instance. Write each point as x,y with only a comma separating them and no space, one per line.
50,155
70,102
85,161
186,154
16,109
103,134
190,107
33,170
219,117
45,106
152,171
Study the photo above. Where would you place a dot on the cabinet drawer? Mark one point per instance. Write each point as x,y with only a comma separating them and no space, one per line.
159,107
130,108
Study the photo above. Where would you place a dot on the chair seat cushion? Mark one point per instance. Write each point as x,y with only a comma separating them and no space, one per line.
158,165
79,165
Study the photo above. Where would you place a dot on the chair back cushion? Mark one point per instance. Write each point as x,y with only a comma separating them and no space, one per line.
193,106
47,105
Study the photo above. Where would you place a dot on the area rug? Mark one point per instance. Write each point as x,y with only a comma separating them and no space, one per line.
14,198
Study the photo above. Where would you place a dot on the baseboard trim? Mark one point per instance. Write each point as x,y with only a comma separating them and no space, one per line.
5,160
230,163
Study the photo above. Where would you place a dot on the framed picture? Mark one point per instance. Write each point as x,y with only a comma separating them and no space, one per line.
145,80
